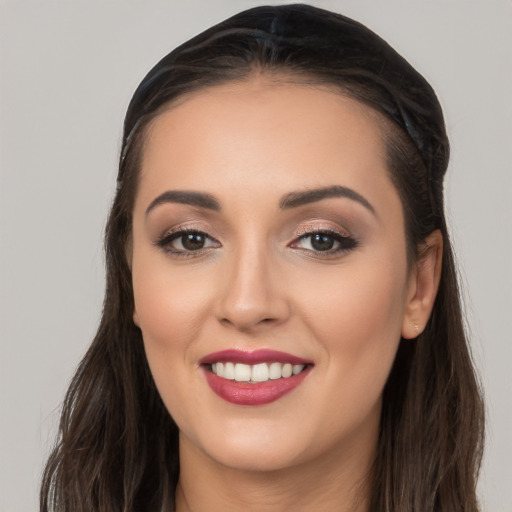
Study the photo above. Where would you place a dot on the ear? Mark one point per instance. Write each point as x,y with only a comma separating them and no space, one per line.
423,285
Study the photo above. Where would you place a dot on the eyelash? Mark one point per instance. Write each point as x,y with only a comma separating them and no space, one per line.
165,242
344,242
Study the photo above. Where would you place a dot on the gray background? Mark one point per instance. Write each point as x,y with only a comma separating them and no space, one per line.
68,69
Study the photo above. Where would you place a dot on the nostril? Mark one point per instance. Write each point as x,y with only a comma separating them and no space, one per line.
247,307
246,324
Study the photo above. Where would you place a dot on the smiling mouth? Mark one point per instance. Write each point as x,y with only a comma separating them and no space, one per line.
254,377
255,373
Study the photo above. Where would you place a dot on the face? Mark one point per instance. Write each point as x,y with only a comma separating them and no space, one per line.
268,240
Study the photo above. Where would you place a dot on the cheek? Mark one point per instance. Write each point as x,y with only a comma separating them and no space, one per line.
362,301
169,308
170,312
356,317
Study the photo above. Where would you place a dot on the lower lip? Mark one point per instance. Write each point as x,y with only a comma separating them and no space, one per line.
258,393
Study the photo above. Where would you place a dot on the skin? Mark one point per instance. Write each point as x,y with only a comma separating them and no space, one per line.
260,283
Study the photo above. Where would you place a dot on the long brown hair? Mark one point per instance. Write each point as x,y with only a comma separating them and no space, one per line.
118,446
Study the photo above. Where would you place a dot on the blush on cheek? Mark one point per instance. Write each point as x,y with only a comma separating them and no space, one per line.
361,322
167,307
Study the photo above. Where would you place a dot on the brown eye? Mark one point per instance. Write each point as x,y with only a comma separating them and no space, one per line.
193,241
322,242
327,242
184,242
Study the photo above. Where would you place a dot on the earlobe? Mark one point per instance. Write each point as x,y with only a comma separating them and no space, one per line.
423,286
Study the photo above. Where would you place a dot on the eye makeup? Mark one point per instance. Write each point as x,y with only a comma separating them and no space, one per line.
323,231
187,242
322,242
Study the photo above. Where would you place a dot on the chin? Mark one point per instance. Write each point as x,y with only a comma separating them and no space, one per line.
258,459
253,450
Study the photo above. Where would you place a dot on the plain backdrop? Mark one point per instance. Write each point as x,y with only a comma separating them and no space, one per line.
67,71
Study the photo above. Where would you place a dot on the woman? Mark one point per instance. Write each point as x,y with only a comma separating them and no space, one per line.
282,327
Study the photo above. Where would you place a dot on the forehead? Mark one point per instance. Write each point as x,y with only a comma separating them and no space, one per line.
263,135
279,99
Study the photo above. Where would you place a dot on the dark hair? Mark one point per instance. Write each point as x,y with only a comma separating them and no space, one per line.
118,445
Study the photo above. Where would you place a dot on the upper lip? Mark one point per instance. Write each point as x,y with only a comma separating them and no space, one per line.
252,357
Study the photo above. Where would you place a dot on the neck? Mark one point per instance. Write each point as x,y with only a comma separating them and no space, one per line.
337,482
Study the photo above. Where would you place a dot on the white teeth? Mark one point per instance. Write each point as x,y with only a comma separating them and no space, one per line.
242,372
275,370
261,372
297,368
229,371
287,370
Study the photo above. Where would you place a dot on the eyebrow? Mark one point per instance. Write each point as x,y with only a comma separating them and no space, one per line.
295,199
291,200
185,197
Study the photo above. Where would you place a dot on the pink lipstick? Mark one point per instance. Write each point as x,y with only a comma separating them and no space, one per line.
254,378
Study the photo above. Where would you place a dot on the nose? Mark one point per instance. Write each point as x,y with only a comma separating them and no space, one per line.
253,295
